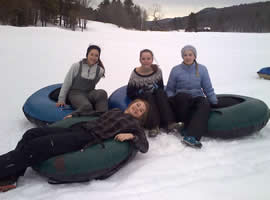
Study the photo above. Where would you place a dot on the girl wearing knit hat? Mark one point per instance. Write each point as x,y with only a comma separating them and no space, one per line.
190,94
79,85
146,82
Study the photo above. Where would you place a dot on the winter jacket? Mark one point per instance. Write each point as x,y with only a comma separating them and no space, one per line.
183,78
88,72
114,122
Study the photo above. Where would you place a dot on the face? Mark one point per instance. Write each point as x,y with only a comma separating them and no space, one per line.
137,109
189,57
146,59
92,57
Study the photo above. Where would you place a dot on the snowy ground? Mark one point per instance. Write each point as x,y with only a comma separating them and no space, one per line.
32,58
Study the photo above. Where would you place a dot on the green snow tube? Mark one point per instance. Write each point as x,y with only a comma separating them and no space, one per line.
95,162
237,116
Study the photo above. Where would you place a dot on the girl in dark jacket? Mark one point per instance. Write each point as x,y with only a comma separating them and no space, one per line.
146,82
40,144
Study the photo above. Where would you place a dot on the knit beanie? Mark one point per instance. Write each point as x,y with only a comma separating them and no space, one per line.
189,48
93,47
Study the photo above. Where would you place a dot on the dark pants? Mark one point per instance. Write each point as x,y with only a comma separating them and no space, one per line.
40,144
160,113
193,112
87,103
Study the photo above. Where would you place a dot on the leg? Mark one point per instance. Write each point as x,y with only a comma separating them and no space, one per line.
39,132
99,98
165,110
180,105
153,117
40,149
198,124
80,102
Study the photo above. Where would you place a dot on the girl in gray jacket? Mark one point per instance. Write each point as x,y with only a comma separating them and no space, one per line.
79,85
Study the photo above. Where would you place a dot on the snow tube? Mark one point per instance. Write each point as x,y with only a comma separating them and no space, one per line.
95,162
40,107
236,116
264,73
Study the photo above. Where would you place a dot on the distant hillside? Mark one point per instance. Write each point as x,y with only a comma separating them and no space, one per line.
253,17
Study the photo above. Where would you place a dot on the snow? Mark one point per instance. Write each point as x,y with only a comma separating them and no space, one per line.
35,57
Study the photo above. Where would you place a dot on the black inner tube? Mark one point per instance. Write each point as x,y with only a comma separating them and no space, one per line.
223,101
228,101
54,96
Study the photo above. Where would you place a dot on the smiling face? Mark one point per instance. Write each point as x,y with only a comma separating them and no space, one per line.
146,59
92,57
136,109
188,57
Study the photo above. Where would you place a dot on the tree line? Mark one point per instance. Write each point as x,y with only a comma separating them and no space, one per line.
126,14
71,13
253,17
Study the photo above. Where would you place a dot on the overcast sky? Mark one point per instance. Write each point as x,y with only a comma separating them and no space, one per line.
180,8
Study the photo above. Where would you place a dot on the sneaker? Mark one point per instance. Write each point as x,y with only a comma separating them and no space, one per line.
153,132
8,183
191,141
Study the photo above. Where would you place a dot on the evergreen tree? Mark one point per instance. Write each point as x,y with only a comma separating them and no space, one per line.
192,23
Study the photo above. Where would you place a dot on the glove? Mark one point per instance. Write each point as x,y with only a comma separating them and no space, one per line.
141,91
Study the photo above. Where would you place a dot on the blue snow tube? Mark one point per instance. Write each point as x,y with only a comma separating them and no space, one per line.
40,108
119,99
236,116
264,73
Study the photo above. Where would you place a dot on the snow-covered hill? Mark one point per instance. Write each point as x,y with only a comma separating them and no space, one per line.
32,58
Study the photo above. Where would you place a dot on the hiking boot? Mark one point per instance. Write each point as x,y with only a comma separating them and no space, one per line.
191,141
153,132
8,183
175,127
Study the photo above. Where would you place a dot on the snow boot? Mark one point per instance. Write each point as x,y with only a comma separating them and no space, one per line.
8,183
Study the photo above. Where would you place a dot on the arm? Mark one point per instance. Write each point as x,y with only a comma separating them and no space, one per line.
67,83
160,82
207,88
137,136
140,141
133,91
157,83
100,75
171,85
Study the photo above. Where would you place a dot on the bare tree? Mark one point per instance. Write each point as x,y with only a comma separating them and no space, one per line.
84,6
144,17
156,12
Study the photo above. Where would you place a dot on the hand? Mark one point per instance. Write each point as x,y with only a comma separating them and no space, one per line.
124,136
60,104
68,116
